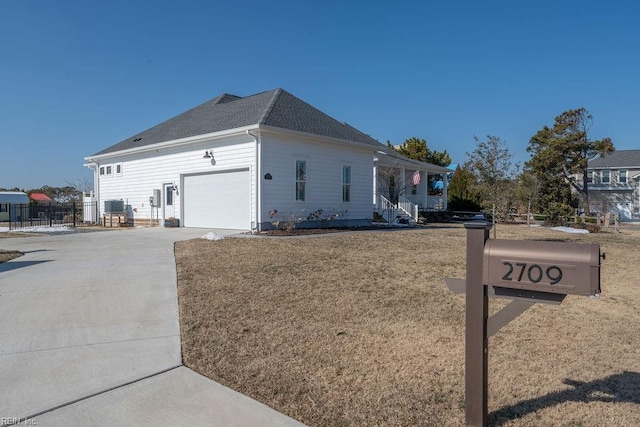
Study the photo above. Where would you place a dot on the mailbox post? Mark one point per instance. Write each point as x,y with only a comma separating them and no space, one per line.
476,339
527,272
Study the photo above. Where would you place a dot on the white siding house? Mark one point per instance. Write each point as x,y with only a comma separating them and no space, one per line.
234,162
614,184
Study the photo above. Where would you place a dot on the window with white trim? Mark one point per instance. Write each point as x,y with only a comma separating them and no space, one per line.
118,167
589,177
101,170
622,177
346,183
301,180
606,177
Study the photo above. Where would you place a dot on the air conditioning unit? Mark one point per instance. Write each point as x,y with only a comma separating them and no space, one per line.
114,206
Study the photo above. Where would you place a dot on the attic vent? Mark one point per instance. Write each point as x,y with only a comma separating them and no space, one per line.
137,139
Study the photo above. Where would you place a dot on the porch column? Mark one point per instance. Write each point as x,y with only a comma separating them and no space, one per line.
403,192
425,190
375,184
445,184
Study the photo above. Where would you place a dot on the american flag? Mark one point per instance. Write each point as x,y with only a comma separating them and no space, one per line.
416,178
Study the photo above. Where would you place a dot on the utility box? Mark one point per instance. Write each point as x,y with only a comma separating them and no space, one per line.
553,267
155,199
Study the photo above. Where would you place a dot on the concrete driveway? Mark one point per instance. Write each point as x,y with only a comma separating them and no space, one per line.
89,333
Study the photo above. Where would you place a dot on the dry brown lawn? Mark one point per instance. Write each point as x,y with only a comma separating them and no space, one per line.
360,330
8,255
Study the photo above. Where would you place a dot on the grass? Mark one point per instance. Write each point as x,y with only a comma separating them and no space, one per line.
8,255
360,329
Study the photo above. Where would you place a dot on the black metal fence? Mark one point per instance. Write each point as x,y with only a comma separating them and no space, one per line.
52,215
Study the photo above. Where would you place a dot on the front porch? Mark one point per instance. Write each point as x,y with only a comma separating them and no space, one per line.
404,187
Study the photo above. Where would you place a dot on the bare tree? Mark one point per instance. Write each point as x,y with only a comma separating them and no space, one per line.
391,186
491,163
83,184
528,190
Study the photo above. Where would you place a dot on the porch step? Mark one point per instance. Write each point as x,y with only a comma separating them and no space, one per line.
403,218
399,217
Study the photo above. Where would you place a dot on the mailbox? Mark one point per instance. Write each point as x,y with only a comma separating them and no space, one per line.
553,267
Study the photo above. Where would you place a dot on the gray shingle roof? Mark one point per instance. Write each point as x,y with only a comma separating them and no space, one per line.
617,159
277,108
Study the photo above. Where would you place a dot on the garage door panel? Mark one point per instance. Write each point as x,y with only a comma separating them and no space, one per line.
218,200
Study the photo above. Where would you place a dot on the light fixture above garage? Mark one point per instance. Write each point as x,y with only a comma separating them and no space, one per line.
208,154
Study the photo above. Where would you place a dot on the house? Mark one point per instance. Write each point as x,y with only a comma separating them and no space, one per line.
40,199
614,184
9,198
244,162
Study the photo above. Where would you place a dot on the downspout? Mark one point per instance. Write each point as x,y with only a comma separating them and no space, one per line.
258,180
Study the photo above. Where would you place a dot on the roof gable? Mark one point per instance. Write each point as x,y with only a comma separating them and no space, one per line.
290,112
617,159
277,108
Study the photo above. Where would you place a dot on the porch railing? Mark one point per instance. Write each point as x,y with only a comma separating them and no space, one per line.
385,204
428,203
389,208
385,207
408,206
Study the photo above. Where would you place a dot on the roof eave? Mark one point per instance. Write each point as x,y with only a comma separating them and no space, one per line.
172,143
389,159
275,129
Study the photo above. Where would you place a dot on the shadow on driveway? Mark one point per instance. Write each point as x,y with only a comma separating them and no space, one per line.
13,265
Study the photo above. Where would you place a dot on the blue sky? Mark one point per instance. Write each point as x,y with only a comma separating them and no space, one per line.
79,76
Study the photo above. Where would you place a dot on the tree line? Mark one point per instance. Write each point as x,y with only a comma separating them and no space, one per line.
553,182
70,193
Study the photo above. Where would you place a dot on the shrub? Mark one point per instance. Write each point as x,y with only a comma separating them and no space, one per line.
557,213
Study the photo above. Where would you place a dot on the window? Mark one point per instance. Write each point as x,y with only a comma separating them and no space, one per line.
346,183
4,207
101,170
109,170
169,195
622,177
606,177
119,169
589,177
301,180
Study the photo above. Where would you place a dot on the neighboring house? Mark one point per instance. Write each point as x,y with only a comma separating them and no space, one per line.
8,198
233,162
614,184
40,199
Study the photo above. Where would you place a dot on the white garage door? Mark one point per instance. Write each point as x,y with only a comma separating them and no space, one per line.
218,200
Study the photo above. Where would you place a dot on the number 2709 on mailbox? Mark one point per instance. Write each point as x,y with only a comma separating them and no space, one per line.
555,267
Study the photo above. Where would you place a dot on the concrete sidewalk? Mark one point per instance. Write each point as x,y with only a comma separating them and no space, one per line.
89,333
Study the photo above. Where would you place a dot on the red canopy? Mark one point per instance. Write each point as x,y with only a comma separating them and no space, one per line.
40,197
